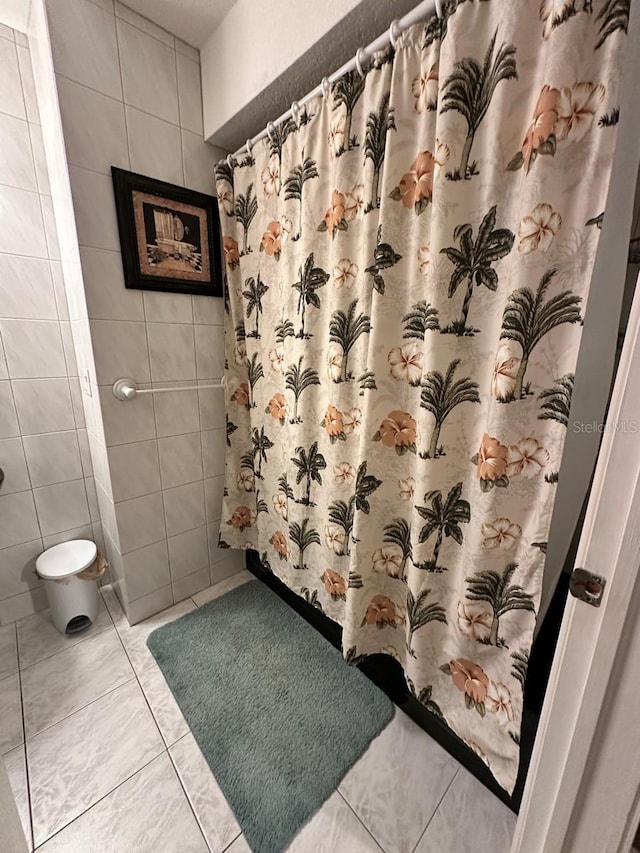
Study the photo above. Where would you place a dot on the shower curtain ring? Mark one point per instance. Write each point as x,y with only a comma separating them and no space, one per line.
393,36
248,146
326,87
270,130
439,9
359,68
295,112
229,163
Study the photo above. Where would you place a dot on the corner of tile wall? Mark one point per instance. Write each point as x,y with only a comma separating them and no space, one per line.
129,95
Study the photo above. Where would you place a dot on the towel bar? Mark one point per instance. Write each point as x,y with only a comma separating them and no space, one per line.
127,389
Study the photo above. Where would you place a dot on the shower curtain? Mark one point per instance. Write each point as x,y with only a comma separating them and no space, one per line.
408,265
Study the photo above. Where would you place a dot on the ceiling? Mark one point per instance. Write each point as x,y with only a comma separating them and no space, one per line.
191,20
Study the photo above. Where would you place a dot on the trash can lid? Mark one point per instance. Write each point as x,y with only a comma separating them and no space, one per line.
66,559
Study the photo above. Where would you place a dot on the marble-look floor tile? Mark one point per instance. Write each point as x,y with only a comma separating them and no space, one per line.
78,761
239,846
38,638
11,732
60,685
148,813
16,765
470,819
221,588
333,827
163,706
8,651
214,815
397,784
135,637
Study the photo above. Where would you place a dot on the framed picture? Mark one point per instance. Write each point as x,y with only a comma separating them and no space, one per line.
169,236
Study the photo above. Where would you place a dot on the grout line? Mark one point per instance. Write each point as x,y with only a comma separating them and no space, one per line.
231,843
104,797
424,831
123,102
73,646
22,86
358,818
144,32
77,710
134,677
24,744
153,717
189,803
120,101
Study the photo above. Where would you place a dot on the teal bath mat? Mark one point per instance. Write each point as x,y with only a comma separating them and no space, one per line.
277,713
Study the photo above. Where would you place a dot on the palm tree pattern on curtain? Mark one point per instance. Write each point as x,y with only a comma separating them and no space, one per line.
407,273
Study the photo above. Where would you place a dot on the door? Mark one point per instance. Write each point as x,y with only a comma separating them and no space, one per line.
583,787
588,717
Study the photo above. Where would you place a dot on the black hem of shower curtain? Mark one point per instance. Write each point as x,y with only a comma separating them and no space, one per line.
387,674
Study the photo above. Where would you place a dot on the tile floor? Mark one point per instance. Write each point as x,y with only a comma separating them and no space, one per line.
102,761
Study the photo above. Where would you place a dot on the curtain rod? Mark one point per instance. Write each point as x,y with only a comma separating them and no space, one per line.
421,11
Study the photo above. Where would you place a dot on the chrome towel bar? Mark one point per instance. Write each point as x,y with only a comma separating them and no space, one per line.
127,389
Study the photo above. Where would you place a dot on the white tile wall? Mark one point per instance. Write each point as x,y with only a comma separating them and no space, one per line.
83,40
16,164
35,298
131,97
45,497
148,73
21,224
184,508
33,348
180,459
177,413
95,130
95,209
122,348
18,521
18,568
11,95
107,297
189,94
143,24
8,418
171,351
43,405
146,569
14,466
140,522
168,307
155,147
53,457
62,507
134,469
188,553
28,85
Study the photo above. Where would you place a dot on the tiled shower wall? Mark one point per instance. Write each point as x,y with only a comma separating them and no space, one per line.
48,494
130,96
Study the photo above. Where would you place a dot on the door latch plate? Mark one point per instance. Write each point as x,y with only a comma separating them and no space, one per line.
587,587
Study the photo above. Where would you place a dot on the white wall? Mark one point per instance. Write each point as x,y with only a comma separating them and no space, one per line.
255,64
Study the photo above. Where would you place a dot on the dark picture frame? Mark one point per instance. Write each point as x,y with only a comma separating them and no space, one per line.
169,236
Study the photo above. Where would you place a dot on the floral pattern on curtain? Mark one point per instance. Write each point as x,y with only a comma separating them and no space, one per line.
408,268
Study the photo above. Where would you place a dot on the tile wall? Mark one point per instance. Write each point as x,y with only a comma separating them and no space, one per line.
130,96
48,494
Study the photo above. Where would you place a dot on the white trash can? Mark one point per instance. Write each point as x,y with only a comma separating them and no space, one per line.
73,600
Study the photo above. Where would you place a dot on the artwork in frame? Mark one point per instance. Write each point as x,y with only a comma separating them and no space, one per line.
169,236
